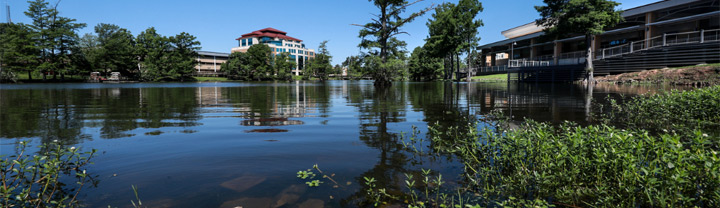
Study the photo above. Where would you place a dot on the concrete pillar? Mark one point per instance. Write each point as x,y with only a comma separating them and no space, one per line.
297,66
596,45
533,49
556,52
493,58
649,30
483,59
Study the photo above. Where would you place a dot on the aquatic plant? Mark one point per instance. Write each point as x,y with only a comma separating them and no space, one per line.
597,165
680,111
41,180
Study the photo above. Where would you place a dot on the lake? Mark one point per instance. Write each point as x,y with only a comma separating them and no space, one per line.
242,143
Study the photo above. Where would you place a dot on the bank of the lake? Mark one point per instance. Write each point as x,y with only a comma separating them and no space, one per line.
701,75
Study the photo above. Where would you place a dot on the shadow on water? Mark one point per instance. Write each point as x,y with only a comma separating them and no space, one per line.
227,144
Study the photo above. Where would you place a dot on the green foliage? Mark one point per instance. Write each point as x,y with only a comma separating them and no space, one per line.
589,166
114,52
354,66
51,46
669,111
166,58
588,17
259,62
319,66
309,175
41,180
283,65
424,67
561,18
55,36
452,30
236,67
378,37
18,54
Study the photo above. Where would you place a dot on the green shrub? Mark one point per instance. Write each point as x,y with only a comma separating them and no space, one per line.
41,180
680,111
590,166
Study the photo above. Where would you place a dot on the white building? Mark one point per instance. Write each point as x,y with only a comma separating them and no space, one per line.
279,42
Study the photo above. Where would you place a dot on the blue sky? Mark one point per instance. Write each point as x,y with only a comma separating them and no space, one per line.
217,24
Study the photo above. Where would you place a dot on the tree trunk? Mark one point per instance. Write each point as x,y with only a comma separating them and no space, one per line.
457,70
589,61
469,67
29,75
452,67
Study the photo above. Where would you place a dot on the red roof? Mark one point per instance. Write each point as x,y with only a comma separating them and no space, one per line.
269,32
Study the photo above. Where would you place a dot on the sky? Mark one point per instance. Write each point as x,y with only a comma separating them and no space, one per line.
217,24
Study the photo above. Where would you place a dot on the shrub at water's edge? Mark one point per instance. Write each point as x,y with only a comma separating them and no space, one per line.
541,164
591,166
41,180
669,111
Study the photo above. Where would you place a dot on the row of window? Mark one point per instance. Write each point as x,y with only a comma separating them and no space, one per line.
246,42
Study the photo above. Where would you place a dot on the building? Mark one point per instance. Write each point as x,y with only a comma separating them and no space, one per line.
279,42
209,63
664,33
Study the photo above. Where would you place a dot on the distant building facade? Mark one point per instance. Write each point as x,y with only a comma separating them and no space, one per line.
646,29
209,63
279,42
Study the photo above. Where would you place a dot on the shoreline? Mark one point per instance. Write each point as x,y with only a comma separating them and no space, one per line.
699,75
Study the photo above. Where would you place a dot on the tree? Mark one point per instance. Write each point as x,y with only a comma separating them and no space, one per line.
424,67
354,66
166,58
17,51
377,35
283,65
182,57
259,61
453,30
53,35
320,65
152,49
115,50
237,66
587,17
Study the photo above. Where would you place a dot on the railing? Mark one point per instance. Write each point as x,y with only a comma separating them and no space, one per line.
701,36
527,63
490,69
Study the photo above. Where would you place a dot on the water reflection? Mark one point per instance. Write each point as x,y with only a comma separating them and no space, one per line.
172,138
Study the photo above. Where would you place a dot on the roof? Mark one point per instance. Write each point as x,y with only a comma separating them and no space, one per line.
530,28
210,53
269,32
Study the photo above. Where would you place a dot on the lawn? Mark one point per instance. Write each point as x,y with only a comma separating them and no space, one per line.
212,79
490,78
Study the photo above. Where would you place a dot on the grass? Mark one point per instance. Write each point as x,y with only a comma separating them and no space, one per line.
212,79
490,78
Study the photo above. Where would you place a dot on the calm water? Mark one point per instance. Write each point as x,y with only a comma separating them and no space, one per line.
241,144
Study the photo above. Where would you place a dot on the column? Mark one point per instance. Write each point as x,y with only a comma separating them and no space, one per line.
596,43
649,30
556,52
483,59
533,49
492,59
297,66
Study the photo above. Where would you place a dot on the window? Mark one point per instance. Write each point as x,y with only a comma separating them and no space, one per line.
250,41
244,42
